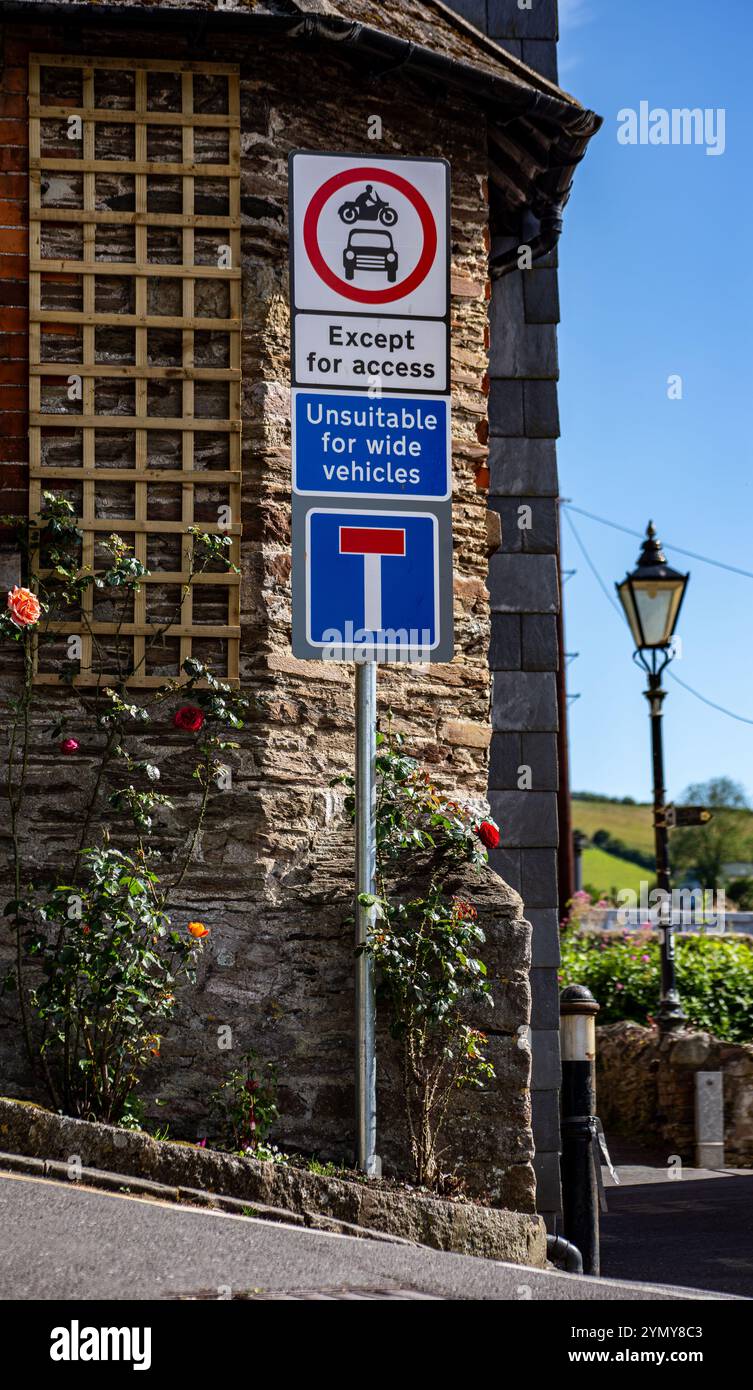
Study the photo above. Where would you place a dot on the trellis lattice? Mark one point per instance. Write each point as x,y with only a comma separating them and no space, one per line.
135,346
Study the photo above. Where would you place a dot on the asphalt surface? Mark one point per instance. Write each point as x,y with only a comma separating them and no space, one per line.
697,1230
61,1241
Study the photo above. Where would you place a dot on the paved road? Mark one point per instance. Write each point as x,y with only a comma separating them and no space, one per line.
698,1230
687,1226
66,1242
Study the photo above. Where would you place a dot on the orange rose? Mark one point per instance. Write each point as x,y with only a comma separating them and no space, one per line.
23,607
198,930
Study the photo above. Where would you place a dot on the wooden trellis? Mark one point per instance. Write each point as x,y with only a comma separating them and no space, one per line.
88,474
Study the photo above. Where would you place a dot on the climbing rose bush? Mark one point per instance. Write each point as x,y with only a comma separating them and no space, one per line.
427,947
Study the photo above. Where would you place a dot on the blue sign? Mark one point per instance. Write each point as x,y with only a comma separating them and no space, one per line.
372,579
364,446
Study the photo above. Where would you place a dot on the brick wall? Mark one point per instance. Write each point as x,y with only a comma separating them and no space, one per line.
275,866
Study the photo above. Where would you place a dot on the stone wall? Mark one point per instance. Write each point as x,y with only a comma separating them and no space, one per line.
275,863
645,1088
525,596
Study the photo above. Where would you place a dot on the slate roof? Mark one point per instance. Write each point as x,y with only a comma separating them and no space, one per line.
537,132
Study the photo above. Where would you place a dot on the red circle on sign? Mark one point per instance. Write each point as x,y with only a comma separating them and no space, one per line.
311,235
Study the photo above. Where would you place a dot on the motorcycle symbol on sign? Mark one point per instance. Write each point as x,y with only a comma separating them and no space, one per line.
367,248
368,207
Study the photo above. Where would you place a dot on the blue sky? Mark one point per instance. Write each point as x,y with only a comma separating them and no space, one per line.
656,280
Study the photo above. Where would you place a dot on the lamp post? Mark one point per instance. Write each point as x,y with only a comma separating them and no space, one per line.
651,597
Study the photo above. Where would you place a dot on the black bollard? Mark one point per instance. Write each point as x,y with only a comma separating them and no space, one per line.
580,1192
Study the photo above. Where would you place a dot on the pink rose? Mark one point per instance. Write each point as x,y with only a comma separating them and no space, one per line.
23,607
69,745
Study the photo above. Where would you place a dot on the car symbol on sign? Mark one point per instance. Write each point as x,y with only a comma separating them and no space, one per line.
370,250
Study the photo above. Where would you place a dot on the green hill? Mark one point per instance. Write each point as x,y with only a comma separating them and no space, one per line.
631,824
605,872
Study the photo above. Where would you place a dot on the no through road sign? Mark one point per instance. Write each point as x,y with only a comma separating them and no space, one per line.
370,407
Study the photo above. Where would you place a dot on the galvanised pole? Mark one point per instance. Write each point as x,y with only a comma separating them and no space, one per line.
366,678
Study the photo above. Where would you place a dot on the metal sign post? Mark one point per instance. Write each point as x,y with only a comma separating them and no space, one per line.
366,674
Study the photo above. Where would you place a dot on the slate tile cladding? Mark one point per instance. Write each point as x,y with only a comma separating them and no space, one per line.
525,595
273,877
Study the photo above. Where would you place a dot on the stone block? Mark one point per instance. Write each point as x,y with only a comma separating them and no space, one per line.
539,752
504,646
504,761
540,642
465,733
508,21
522,467
546,1074
506,863
525,818
546,1166
538,878
545,1112
545,936
541,296
524,700
540,409
519,348
534,531
523,583
506,408
545,998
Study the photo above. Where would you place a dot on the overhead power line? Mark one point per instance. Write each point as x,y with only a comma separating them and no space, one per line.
693,554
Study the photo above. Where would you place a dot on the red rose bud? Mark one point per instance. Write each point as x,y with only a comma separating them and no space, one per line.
69,745
488,834
188,718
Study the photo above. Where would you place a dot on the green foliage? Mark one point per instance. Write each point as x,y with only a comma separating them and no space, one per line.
245,1107
110,963
705,849
622,970
426,948
740,890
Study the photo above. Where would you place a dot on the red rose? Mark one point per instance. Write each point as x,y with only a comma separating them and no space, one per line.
69,745
188,718
488,834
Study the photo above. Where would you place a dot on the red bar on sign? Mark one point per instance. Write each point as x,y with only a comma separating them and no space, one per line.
372,540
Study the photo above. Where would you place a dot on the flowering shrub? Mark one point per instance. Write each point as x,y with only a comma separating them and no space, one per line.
246,1107
426,947
622,970
110,964
102,941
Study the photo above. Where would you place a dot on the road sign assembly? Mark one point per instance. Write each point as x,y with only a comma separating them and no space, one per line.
370,407
372,475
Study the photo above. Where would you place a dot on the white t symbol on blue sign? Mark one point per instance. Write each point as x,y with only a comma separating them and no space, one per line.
372,576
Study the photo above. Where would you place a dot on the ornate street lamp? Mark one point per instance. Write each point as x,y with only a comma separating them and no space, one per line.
652,598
